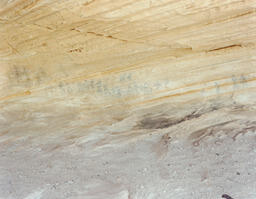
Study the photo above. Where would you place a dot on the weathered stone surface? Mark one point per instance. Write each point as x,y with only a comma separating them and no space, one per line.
133,99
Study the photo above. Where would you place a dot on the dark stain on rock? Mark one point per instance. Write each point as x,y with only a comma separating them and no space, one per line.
19,74
163,122
161,147
226,196
76,50
250,127
225,47
107,36
156,123
23,76
199,135
74,29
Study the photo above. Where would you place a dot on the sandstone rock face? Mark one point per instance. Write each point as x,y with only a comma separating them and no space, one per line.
129,99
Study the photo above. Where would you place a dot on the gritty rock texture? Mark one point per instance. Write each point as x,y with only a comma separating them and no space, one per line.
127,99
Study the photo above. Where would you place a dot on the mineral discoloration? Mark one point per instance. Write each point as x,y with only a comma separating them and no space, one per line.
226,196
130,167
161,147
207,131
249,127
163,122
156,123
221,128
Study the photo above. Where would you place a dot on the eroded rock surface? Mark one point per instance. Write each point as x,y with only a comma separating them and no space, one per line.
127,99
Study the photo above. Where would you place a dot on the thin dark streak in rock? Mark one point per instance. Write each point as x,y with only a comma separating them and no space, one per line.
107,36
226,196
197,136
162,122
225,47
244,131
